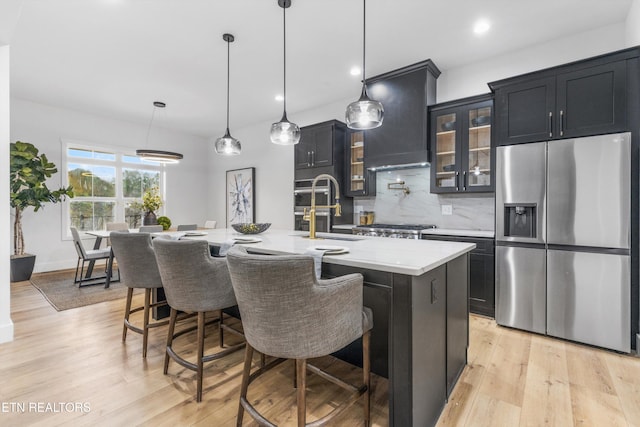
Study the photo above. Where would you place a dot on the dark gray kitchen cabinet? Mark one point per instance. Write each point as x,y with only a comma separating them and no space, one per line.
316,145
482,272
405,94
462,146
583,98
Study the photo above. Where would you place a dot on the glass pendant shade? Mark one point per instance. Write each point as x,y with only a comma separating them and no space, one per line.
364,113
228,145
284,132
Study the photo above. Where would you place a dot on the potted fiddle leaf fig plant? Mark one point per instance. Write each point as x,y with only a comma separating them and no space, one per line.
28,173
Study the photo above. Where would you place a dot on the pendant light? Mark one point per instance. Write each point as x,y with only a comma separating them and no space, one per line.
364,113
284,132
157,156
227,144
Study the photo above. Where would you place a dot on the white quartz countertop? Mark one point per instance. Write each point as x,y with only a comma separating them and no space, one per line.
458,232
403,256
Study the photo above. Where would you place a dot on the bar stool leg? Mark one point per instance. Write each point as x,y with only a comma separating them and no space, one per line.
172,327
246,372
199,374
145,321
366,373
127,311
301,372
221,330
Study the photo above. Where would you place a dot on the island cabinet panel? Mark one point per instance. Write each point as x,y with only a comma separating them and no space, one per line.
405,94
458,273
587,97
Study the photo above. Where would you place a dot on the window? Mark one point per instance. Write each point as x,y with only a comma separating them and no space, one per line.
108,186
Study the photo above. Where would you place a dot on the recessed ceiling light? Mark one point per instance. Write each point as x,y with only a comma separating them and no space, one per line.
279,98
355,71
481,26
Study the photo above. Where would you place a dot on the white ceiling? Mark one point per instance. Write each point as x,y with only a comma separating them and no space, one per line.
115,57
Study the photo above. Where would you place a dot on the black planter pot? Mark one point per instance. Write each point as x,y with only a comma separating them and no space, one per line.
22,267
150,218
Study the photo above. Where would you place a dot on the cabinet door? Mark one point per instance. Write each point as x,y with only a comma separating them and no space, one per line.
592,100
445,166
322,152
525,111
359,181
302,151
477,149
482,284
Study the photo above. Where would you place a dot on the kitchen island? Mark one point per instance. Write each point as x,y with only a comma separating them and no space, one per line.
418,291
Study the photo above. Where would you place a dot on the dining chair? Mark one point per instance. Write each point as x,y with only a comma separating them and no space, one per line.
210,224
150,228
91,256
289,314
137,261
195,282
187,227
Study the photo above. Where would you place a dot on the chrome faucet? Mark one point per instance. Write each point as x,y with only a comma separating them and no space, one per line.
310,215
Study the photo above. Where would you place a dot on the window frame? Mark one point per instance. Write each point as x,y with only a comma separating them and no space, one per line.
119,164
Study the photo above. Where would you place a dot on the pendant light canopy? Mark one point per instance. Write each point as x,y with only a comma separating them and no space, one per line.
364,113
157,156
227,144
284,132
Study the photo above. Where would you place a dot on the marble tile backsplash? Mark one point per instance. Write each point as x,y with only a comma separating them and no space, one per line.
393,205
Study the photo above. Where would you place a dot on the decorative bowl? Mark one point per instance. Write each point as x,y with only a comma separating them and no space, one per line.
251,228
447,126
481,121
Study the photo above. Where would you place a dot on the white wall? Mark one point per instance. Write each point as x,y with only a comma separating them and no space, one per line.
6,326
472,79
45,126
632,26
273,163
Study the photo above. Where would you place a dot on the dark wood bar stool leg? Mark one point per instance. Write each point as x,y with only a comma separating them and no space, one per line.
172,326
246,372
366,374
127,312
145,321
301,373
221,329
201,322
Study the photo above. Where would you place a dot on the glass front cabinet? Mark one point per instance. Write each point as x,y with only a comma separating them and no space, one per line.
359,180
461,146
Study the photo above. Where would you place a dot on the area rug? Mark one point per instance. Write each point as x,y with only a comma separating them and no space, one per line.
58,288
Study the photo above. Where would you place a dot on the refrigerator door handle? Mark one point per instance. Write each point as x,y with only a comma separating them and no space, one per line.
550,124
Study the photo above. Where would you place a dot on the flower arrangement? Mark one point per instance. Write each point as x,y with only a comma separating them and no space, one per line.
151,200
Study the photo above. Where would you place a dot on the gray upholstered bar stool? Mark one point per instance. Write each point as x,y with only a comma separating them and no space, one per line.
137,262
194,282
288,314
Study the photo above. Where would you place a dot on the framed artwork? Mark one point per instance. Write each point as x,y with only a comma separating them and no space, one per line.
241,206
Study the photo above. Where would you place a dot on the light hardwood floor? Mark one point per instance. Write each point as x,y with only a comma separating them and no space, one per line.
513,378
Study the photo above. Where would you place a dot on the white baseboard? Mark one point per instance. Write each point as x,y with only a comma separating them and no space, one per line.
6,332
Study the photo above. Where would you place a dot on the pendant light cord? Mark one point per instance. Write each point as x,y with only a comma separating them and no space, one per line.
149,128
284,42
228,79
364,38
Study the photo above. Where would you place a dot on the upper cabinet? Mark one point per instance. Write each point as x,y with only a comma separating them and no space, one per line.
359,181
321,150
583,98
461,142
405,94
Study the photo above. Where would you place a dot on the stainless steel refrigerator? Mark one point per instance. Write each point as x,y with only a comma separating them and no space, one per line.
563,236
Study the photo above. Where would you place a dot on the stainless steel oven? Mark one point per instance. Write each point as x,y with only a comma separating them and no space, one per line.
302,199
